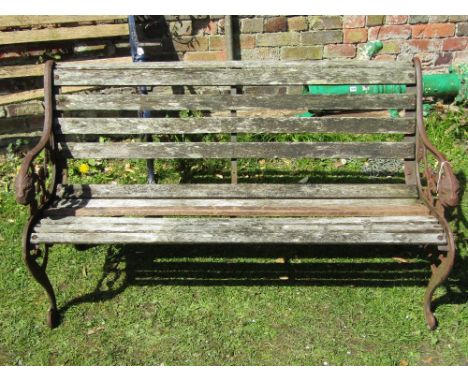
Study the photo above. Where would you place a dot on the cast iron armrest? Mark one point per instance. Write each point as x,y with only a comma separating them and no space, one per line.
25,182
442,183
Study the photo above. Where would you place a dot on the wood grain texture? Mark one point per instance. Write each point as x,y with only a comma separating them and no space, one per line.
229,102
236,207
212,236
148,150
29,95
62,34
16,71
348,125
79,224
22,21
238,191
283,73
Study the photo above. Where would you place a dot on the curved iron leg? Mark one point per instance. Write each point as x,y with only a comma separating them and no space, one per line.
439,275
38,271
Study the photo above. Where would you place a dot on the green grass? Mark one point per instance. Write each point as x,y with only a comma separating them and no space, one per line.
232,305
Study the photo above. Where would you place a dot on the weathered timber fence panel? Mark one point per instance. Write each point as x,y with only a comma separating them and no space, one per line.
27,41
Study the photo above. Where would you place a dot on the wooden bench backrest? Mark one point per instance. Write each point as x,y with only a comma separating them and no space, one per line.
192,76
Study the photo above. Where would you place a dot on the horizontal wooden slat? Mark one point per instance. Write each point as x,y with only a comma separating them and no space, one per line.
234,102
349,125
87,221
211,234
239,191
20,21
36,94
236,207
77,224
21,125
145,150
62,34
283,73
299,65
15,71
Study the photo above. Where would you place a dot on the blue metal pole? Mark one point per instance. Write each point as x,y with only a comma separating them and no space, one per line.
139,55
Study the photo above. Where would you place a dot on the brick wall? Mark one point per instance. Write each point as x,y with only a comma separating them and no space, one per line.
437,40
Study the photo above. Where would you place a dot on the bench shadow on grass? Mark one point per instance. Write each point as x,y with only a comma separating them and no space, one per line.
254,265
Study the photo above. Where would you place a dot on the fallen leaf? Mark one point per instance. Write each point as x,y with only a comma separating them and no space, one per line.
427,360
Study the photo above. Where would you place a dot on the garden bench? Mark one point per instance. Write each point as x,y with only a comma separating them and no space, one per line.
410,212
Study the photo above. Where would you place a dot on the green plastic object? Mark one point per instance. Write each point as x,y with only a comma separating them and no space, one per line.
356,89
452,85
371,49
441,85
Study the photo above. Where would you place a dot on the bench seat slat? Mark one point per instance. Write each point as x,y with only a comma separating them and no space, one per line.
279,74
415,230
149,150
236,207
223,102
348,125
224,225
239,191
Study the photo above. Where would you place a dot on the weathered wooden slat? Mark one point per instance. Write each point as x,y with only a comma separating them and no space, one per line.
229,102
21,125
239,191
62,34
260,226
87,221
21,21
15,71
233,64
36,94
211,236
148,150
221,202
236,207
348,125
254,75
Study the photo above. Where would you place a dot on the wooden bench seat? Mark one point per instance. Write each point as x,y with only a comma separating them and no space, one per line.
237,111
149,230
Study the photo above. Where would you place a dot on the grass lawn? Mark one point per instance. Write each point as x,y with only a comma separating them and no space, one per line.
234,305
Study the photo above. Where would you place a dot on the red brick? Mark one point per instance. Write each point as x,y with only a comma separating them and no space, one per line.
247,41
205,56
276,24
354,21
217,43
424,45
455,43
355,35
396,19
387,32
190,44
433,30
298,23
392,46
325,22
339,50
